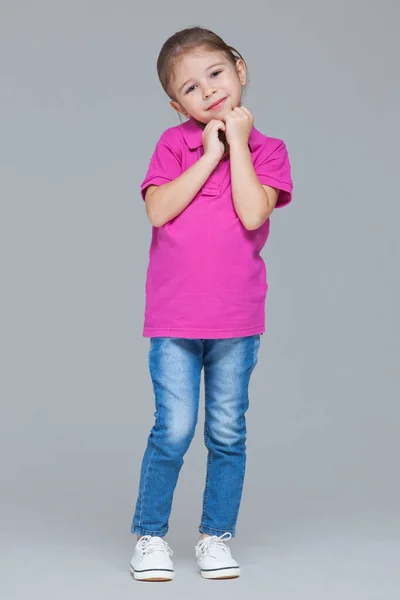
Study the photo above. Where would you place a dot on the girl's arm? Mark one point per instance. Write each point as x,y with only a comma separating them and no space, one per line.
253,201
166,201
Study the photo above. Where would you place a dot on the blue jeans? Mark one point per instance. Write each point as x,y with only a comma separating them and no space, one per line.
175,366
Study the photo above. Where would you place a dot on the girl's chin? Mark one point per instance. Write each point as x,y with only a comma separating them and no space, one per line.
221,116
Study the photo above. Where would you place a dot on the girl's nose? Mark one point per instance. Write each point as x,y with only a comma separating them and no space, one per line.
208,92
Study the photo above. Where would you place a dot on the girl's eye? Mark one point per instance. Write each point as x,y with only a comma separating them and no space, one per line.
213,74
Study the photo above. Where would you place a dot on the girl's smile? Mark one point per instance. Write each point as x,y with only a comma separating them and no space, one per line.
217,105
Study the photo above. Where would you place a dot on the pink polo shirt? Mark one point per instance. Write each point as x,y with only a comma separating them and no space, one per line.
206,278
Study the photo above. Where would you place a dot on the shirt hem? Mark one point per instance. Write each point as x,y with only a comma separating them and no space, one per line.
201,333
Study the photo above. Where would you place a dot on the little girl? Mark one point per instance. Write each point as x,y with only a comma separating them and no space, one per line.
211,186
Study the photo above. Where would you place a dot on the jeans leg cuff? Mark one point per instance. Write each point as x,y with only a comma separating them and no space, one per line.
141,531
213,531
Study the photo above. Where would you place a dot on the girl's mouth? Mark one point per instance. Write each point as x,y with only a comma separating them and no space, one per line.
217,105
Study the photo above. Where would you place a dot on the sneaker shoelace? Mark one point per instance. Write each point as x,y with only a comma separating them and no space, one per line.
213,542
155,544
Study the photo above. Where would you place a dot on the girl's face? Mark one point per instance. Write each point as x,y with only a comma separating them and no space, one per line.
206,85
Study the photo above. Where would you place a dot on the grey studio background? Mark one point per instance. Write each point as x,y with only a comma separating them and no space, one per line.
81,111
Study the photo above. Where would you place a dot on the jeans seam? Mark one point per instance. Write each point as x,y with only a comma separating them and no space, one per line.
256,348
206,437
152,454
144,488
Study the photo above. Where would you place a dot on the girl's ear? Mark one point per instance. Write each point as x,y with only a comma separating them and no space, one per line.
241,71
176,106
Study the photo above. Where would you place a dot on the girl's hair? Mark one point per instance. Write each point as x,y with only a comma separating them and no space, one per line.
185,41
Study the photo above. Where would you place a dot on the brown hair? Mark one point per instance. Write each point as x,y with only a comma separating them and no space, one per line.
185,41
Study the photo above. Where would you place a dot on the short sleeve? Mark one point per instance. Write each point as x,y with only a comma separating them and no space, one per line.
165,164
273,169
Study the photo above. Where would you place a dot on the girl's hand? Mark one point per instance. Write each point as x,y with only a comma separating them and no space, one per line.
211,142
239,123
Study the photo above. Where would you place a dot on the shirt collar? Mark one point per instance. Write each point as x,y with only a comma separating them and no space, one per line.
192,133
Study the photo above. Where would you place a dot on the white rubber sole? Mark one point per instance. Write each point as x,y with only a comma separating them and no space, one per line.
152,575
229,573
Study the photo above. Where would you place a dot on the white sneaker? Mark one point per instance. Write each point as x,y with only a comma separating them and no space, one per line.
214,558
151,560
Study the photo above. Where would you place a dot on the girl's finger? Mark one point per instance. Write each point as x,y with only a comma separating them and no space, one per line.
246,110
216,124
241,111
